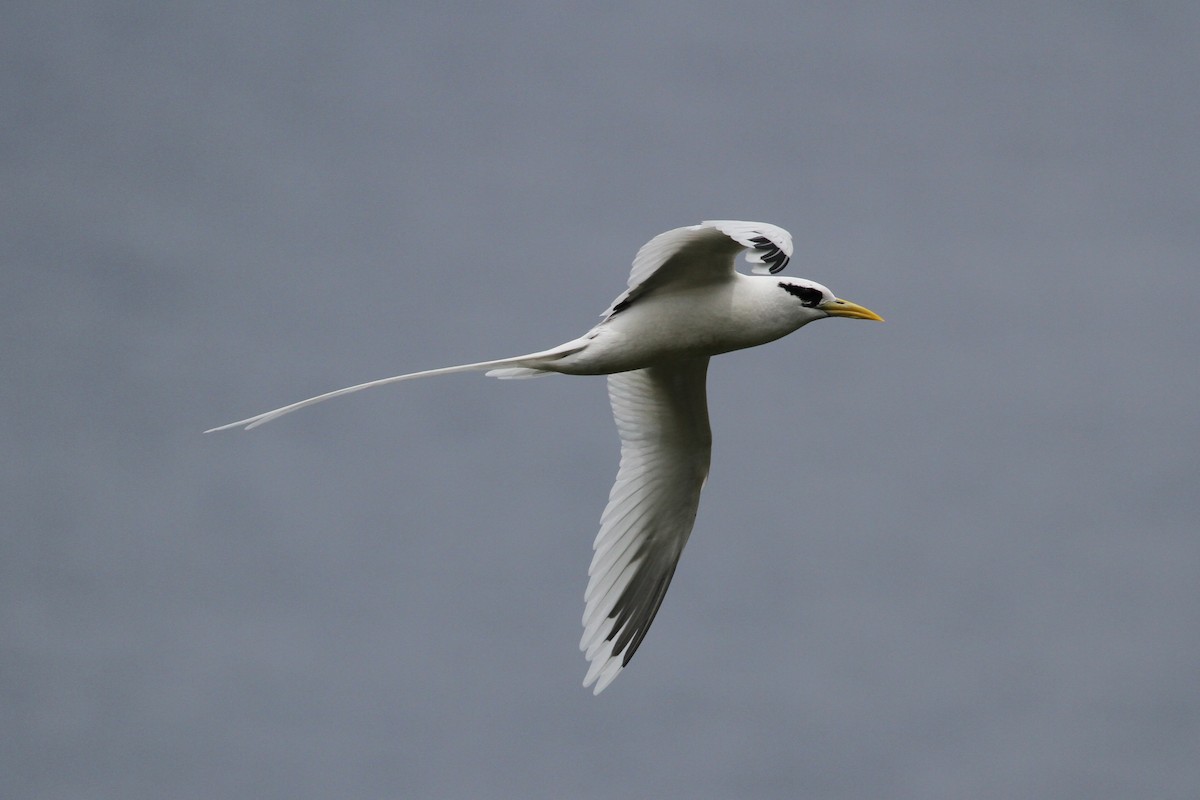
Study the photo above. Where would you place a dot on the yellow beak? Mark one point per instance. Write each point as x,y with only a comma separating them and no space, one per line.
844,308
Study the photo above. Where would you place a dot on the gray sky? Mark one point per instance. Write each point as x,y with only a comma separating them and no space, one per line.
951,556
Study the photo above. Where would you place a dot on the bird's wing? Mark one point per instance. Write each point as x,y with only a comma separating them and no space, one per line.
699,254
662,418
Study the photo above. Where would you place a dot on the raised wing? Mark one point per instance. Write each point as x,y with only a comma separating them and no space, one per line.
703,253
662,418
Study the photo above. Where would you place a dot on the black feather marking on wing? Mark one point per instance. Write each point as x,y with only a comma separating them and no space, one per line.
636,609
771,253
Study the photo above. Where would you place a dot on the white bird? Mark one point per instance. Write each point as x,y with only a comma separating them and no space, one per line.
685,303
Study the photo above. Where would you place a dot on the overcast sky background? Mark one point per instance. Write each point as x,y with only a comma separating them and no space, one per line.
952,556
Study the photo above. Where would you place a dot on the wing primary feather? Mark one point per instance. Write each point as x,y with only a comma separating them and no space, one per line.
635,639
662,418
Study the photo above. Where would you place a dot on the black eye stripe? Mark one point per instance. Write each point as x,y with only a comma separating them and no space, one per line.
808,296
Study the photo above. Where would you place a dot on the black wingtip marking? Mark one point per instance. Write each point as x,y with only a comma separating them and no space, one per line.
635,610
772,254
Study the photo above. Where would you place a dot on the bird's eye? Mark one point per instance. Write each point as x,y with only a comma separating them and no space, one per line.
809,296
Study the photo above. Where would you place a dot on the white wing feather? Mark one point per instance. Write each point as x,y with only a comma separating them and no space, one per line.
662,418
698,254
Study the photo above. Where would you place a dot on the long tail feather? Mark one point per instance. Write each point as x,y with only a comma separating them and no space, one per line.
517,366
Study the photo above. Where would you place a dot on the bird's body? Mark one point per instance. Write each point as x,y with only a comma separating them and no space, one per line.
685,303
688,322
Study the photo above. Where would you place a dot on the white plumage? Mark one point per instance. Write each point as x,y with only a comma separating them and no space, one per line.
685,303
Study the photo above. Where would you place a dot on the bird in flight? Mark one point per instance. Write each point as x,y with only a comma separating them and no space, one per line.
685,303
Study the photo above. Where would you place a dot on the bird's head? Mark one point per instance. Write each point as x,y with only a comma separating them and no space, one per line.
823,303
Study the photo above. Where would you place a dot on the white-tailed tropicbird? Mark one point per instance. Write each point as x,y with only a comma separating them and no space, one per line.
685,303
